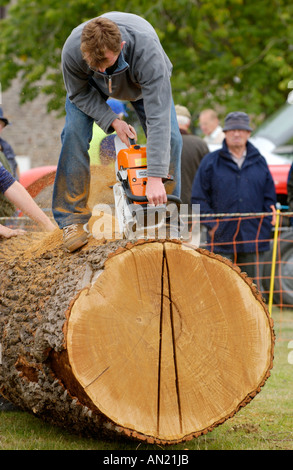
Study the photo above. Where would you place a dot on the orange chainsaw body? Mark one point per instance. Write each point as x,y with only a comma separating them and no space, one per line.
133,160
135,215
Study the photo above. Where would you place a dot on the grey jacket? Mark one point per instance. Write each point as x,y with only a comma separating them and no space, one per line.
144,71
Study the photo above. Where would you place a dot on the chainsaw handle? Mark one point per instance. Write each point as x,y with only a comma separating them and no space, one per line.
175,199
132,197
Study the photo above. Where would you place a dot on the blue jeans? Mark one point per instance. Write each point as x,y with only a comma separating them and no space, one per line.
246,262
72,182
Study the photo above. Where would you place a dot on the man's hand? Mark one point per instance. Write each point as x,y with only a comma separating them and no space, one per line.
155,191
213,230
124,131
273,222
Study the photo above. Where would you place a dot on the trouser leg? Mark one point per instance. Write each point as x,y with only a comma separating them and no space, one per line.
72,182
176,149
245,261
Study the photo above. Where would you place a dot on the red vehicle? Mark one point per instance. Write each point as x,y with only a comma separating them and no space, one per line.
280,177
274,139
36,179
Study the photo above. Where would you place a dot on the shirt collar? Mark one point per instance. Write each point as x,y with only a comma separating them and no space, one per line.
216,131
238,160
121,64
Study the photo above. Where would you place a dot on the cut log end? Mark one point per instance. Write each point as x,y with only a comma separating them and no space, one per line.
168,341
155,340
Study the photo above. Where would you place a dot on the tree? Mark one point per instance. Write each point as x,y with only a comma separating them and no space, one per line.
227,54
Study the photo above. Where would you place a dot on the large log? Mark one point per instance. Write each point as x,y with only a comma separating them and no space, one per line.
155,340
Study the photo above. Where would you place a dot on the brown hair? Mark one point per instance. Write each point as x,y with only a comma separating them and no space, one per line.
98,36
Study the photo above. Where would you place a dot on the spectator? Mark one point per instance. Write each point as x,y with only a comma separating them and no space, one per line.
102,149
6,148
193,150
19,196
236,179
7,209
210,126
119,55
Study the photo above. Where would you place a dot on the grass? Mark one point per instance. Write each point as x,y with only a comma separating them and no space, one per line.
265,424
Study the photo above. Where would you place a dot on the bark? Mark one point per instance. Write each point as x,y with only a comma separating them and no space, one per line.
155,340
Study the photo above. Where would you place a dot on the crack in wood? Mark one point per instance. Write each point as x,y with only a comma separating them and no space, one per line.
165,266
160,345
97,378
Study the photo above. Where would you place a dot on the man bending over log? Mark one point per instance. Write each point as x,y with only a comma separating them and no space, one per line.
118,55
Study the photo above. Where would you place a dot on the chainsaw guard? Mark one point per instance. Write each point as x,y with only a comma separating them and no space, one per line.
137,221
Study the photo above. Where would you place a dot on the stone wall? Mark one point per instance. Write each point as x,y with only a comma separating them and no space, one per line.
33,132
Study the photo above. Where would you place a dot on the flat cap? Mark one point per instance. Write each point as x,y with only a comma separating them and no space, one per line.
182,111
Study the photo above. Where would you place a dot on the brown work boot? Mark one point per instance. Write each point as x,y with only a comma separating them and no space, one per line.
75,236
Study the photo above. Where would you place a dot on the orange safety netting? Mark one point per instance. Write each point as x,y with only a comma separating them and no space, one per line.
273,271
272,276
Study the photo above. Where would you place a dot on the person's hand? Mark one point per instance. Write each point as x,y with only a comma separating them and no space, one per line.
213,230
124,131
155,191
7,232
273,222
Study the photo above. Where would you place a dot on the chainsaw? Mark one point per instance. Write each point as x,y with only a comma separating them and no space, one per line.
136,218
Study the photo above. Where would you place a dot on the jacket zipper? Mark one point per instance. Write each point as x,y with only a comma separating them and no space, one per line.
110,84
109,77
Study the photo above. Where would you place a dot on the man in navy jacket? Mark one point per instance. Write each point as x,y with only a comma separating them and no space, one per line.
236,179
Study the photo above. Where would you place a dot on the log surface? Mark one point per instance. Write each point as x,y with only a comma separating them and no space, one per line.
157,340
